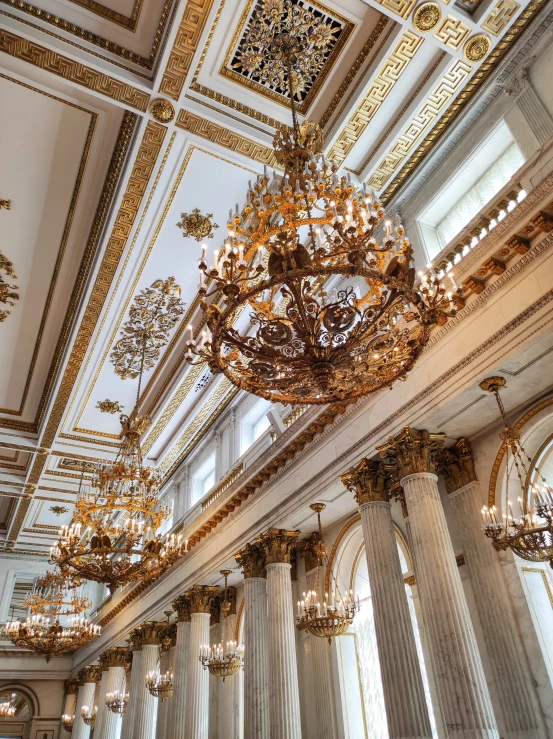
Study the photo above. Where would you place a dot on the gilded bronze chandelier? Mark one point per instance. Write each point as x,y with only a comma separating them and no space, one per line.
312,298
67,722
334,617
55,595
114,536
51,637
530,534
224,659
88,715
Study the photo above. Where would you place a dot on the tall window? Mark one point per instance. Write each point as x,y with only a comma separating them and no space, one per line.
203,479
254,424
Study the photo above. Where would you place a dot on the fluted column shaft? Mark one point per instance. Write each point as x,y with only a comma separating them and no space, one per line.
197,680
101,703
146,706
84,698
522,714
177,716
111,723
465,697
284,701
256,663
133,690
163,708
404,699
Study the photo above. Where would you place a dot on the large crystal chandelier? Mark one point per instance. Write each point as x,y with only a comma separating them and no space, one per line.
114,536
312,298
335,614
530,533
224,659
49,636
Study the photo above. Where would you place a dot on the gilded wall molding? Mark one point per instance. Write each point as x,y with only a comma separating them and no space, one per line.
185,45
129,22
72,71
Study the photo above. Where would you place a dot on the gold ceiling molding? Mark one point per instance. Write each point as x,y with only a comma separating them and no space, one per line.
439,98
186,42
129,22
93,38
427,16
8,296
355,67
449,115
217,134
384,82
72,71
138,180
500,16
477,47
452,32
317,76
400,7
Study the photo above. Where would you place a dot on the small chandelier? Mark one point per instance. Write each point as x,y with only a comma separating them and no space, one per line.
223,661
114,536
50,639
89,716
160,685
312,298
67,722
117,701
335,616
55,595
530,534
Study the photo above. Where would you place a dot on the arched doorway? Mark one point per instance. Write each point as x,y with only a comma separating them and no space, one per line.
18,725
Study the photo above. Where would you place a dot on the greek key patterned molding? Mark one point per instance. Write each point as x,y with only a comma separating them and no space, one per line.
72,71
500,16
229,139
452,32
186,42
382,85
120,19
399,7
423,120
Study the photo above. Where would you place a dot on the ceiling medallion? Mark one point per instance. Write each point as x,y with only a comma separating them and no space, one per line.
196,225
332,309
530,535
59,510
477,47
109,406
318,33
162,110
7,294
427,16
153,314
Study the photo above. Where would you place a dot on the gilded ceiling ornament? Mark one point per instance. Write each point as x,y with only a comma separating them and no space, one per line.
153,314
7,204
7,294
196,225
427,16
162,110
79,465
109,406
477,47
58,509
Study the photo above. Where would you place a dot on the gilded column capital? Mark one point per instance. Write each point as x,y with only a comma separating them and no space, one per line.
277,545
72,686
181,606
413,451
369,481
313,550
89,674
202,598
252,561
114,657
457,465
148,633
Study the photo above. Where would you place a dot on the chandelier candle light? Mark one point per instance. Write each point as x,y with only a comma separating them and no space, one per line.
312,298
160,685
117,701
225,659
88,716
530,533
6,709
50,637
67,722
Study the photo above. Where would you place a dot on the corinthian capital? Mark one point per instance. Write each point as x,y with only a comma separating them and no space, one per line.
412,451
72,686
457,465
113,657
369,481
202,598
182,607
148,633
89,674
252,561
313,550
277,545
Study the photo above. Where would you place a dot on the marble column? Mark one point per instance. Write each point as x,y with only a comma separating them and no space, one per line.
256,663
70,702
87,678
166,664
516,688
177,717
402,684
133,688
99,700
284,699
149,636
196,723
463,689
113,662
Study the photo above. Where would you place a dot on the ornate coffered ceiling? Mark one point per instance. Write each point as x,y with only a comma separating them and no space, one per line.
100,181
